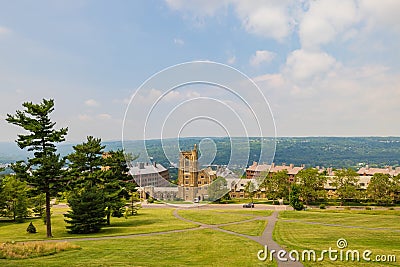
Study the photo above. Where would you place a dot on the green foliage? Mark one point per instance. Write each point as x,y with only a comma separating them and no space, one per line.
217,188
14,198
38,203
380,188
346,184
41,139
31,229
322,206
276,185
295,197
311,185
87,214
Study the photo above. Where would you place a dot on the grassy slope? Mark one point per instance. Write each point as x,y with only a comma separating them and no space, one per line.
147,221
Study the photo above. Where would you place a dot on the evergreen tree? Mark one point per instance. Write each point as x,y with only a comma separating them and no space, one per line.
87,214
41,139
114,176
85,162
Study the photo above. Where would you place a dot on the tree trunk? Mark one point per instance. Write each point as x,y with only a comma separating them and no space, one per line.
108,216
48,215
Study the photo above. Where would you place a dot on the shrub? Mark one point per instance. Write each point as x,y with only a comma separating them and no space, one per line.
391,208
322,206
347,208
368,208
31,228
150,200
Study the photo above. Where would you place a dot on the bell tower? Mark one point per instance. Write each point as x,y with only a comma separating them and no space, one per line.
188,168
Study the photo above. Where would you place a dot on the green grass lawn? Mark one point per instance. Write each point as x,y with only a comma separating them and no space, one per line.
147,220
368,219
213,217
254,228
301,236
194,248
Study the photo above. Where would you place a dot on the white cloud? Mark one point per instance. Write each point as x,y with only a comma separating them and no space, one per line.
381,14
4,30
231,60
84,117
268,19
302,65
261,56
104,116
179,41
325,20
92,103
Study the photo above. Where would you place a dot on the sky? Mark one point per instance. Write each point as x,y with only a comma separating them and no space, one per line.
325,68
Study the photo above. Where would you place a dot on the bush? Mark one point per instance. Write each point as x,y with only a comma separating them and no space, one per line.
322,206
347,208
31,228
368,208
150,200
391,208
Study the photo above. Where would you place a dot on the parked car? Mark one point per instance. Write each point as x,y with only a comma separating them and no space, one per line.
196,200
248,205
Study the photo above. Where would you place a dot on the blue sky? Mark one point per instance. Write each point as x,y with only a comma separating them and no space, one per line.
326,67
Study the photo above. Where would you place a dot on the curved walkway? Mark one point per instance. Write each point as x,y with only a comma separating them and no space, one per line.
265,239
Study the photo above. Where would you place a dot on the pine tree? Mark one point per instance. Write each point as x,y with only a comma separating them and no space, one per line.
41,139
87,214
114,177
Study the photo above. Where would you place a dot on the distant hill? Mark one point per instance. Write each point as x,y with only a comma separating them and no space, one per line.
312,151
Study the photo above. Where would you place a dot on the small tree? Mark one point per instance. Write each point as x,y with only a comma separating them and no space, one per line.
31,228
14,195
294,196
249,188
87,214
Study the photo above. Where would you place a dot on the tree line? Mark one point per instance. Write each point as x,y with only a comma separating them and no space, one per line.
309,187
96,184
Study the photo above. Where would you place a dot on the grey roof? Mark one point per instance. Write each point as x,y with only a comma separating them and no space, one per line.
147,168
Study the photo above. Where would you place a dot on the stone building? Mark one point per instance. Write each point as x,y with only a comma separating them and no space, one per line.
192,181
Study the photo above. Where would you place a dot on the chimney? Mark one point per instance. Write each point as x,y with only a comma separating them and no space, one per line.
155,164
283,164
367,167
390,168
291,165
141,165
272,165
254,163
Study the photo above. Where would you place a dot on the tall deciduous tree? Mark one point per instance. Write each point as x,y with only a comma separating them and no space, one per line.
380,188
346,184
277,185
311,185
41,139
